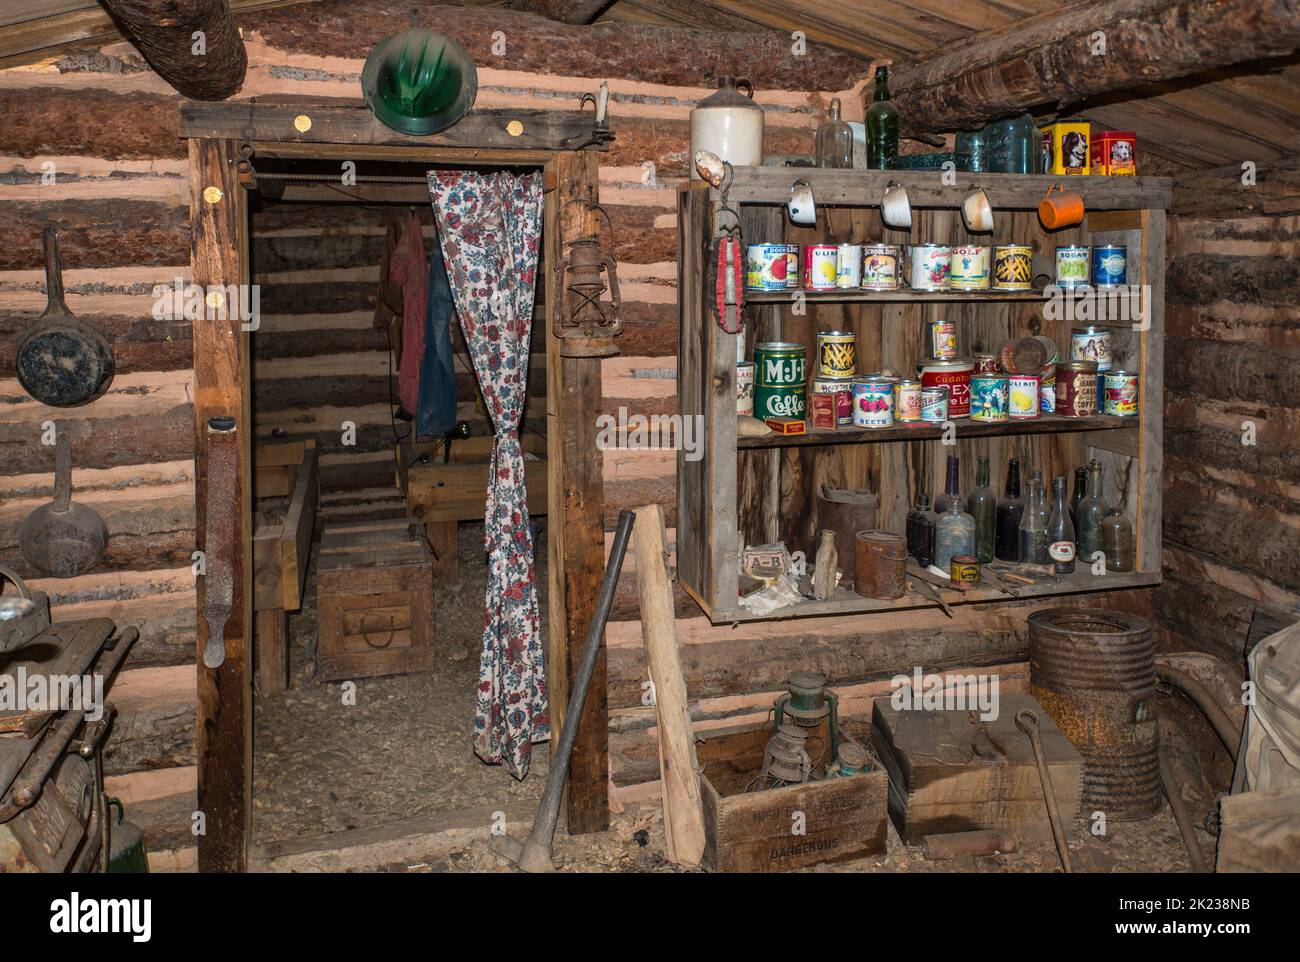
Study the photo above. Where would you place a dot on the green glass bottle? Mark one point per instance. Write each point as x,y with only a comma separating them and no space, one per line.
882,125
1092,511
982,505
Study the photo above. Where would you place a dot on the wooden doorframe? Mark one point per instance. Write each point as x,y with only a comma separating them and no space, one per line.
576,543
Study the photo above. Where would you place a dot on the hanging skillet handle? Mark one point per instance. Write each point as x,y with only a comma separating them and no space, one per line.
62,473
53,273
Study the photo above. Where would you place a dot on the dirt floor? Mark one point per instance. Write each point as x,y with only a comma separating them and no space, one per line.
403,750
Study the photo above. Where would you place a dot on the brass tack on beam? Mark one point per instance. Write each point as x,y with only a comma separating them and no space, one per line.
302,123
514,128
212,195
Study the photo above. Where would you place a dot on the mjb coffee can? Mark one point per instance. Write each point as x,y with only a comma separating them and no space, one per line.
780,371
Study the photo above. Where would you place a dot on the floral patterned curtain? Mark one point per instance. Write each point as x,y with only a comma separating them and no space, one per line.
490,228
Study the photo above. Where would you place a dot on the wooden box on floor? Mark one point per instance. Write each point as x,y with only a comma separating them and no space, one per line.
842,818
948,775
374,600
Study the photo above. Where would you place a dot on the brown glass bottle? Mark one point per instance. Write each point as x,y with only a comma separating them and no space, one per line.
1006,541
920,531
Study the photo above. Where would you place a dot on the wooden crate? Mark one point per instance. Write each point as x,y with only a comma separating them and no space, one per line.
744,831
374,600
941,780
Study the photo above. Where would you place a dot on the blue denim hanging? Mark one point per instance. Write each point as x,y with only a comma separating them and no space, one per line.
437,414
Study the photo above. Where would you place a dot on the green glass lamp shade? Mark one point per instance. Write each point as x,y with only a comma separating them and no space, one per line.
419,82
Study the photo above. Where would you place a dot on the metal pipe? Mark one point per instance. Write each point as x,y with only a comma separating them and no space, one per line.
1223,726
337,179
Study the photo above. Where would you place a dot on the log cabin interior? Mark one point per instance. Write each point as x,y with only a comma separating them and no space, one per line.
618,425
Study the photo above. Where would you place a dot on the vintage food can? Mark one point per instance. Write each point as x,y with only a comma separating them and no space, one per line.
848,265
1114,153
988,398
1022,397
1072,266
1066,147
841,389
928,267
943,340
820,266
880,267
1047,389
837,354
873,403
934,403
1013,268
771,267
780,368
954,375
970,268
964,569
1109,265
986,364
1120,393
745,388
907,400
1092,343
1076,389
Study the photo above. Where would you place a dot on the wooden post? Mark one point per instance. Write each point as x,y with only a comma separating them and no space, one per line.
223,734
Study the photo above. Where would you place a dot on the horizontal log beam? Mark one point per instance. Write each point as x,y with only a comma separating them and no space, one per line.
564,11
1274,190
192,44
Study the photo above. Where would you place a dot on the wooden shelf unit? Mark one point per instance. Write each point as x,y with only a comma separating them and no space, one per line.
732,492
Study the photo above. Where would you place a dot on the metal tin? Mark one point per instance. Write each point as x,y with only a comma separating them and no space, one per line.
955,375
820,265
1093,671
986,364
880,565
1072,264
745,388
943,340
1092,343
1076,389
771,267
1022,397
873,403
907,400
928,267
780,370
837,354
970,268
1047,387
1120,395
842,389
1109,265
1013,268
848,265
934,403
880,267
821,411
964,569
988,398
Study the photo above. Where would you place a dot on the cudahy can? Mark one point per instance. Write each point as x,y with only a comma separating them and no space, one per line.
954,375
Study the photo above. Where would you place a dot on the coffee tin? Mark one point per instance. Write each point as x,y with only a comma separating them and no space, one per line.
1013,268
848,265
780,368
1120,393
771,267
955,375
837,354
907,400
970,268
929,266
1109,266
988,398
842,390
964,569
880,267
1022,397
934,404
873,403
1072,266
1076,389
745,388
943,340
1092,343
820,267
986,364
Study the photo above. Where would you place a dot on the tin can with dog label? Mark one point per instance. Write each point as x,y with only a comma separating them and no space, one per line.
907,400
873,403
1109,266
1072,266
780,368
1022,397
842,390
934,404
970,268
880,267
988,398
1120,393
1092,343
1013,268
771,267
820,266
837,354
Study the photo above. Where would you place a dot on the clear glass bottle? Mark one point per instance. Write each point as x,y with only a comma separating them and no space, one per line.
1024,146
1033,526
920,531
1117,542
1060,530
1011,506
882,125
950,487
1080,491
954,534
1092,511
835,140
982,504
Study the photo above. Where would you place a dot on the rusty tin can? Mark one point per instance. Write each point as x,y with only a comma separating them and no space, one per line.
1076,389
880,565
965,570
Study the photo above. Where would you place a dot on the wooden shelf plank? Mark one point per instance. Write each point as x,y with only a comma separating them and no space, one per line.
909,296
926,431
846,602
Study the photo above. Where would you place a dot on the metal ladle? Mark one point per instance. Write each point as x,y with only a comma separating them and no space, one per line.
63,538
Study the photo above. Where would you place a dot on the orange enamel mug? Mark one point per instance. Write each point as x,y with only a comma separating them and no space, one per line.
1063,210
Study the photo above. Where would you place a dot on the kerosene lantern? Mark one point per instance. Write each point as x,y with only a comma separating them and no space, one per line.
586,325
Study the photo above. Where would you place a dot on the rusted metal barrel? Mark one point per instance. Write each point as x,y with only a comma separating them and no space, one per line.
1094,672
880,564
